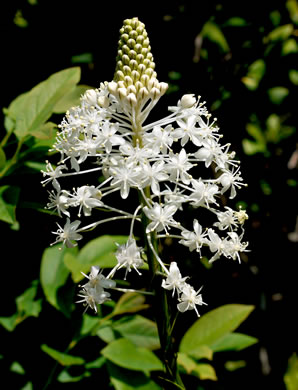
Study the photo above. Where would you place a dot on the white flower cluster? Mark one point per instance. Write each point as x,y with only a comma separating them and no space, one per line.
163,161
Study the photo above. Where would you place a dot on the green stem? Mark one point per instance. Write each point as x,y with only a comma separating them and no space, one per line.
6,137
163,315
13,160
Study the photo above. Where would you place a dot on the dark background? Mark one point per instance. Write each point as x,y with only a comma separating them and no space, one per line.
59,30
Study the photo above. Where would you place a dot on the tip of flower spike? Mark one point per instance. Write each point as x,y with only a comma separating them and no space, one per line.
135,74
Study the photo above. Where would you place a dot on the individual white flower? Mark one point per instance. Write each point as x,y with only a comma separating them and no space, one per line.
188,100
125,175
189,299
178,165
59,201
194,240
68,234
97,280
187,131
107,137
159,139
226,219
174,280
87,197
231,180
203,193
161,217
129,256
153,174
216,244
234,246
53,174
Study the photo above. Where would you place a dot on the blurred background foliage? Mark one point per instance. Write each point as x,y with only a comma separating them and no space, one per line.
241,57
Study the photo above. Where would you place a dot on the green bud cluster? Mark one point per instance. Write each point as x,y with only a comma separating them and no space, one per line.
135,76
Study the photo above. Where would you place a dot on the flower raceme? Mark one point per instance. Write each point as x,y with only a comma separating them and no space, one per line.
162,161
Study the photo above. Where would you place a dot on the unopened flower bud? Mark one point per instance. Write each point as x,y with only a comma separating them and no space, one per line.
90,97
188,101
103,101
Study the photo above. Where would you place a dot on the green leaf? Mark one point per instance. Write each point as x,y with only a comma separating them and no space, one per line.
28,386
255,73
130,303
293,76
251,147
84,58
291,376
280,33
277,94
9,196
62,358
53,273
9,323
139,330
125,354
213,33
2,158
289,46
205,372
98,363
232,365
214,325
26,305
32,109
236,21
71,99
45,131
123,379
89,322
100,251
233,342
65,377
17,368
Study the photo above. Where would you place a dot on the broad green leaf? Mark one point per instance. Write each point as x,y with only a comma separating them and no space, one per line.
214,325
2,158
89,322
71,99
123,379
62,358
280,33
45,131
53,273
99,251
99,362
277,94
139,330
191,367
32,109
202,352
26,305
292,7
205,372
256,132
106,333
233,342
130,303
291,376
125,354
28,386
9,196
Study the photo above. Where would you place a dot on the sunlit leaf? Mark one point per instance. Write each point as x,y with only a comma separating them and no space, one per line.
26,303
100,251
17,368
9,323
233,342
280,33
32,109
127,355
233,365
130,303
45,131
65,377
71,99
139,330
236,21
62,358
289,46
214,325
291,376
254,75
293,76
205,372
